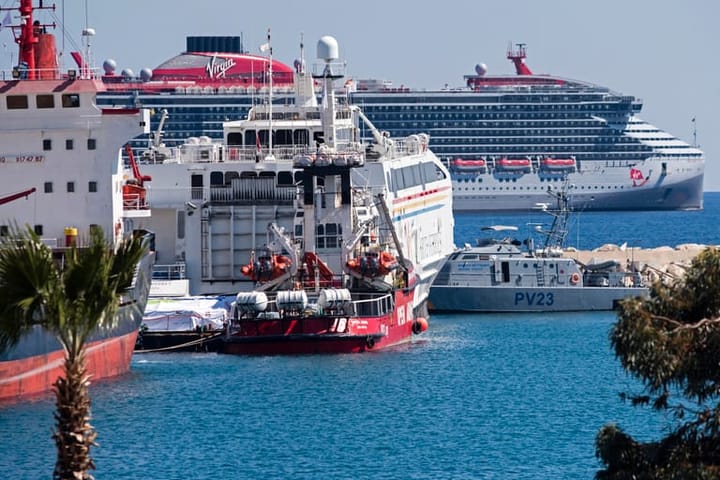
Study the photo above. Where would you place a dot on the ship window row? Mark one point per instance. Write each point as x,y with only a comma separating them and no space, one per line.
524,149
414,175
536,187
504,107
47,144
48,187
41,101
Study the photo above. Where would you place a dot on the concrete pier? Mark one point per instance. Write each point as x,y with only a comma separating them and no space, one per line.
650,261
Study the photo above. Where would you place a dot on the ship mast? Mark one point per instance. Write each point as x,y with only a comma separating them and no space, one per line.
270,102
26,36
517,56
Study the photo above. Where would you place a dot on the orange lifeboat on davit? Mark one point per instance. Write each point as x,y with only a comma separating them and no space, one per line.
267,267
373,264
461,165
558,164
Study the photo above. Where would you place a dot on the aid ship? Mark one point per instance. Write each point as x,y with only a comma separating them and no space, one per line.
505,138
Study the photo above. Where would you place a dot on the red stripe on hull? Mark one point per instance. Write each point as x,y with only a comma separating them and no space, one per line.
21,379
321,344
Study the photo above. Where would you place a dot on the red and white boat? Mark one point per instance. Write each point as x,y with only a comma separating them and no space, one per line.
461,165
521,165
370,233
564,165
61,153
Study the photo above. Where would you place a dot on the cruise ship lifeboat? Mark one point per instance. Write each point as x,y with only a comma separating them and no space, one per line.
267,267
558,164
373,264
461,165
520,165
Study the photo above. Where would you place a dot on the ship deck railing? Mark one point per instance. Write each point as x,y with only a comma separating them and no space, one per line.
361,304
172,271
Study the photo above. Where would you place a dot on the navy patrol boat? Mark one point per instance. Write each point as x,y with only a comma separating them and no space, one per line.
507,275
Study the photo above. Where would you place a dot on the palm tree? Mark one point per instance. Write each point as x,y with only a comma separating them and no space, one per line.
71,297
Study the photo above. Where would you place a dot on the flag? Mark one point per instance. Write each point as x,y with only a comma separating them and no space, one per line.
6,21
264,47
258,145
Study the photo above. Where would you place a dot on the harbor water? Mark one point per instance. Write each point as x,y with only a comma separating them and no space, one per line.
503,396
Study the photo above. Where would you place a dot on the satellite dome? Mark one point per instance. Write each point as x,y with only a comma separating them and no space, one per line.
481,69
145,74
127,73
327,48
109,66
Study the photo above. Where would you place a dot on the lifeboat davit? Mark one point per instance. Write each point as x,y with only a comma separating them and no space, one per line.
373,264
461,165
558,164
267,267
513,165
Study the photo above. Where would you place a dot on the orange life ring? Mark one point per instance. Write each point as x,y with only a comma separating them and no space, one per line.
574,278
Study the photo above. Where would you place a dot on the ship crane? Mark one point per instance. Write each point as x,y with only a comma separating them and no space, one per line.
15,196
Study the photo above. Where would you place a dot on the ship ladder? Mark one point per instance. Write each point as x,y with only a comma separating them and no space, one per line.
540,274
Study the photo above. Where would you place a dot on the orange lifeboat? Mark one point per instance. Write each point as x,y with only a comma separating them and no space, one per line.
373,264
558,164
267,267
461,165
513,164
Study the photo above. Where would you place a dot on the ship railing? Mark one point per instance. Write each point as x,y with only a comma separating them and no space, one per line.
134,201
20,73
252,154
172,271
360,305
257,190
239,191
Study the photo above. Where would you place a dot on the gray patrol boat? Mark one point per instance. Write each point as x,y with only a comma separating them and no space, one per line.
507,275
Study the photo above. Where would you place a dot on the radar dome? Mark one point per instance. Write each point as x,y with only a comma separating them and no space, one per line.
109,66
145,74
481,69
127,73
327,48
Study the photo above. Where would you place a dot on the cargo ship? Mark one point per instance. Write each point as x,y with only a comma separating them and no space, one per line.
62,174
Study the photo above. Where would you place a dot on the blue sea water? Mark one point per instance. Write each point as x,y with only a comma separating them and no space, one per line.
477,396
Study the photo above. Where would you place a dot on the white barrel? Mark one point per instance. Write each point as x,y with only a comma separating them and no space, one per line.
291,300
251,302
334,297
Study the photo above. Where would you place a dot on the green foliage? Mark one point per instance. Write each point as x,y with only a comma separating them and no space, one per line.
671,343
71,296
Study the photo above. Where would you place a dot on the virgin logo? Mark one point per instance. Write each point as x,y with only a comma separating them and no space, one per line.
217,68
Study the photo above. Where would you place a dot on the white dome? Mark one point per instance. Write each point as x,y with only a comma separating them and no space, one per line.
327,48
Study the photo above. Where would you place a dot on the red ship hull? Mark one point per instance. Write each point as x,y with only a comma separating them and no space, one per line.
34,375
329,334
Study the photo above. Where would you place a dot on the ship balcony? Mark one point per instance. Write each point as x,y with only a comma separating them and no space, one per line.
135,206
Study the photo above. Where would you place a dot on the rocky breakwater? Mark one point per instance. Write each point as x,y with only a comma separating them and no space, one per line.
653,263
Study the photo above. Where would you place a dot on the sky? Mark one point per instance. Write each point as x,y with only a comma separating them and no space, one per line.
661,51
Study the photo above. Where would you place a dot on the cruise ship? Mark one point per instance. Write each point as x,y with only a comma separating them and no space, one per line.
505,138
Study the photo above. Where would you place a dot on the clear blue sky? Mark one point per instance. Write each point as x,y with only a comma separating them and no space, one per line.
662,51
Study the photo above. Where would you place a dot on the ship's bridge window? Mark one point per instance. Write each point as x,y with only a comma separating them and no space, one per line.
469,257
285,178
45,101
328,235
70,100
16,102
217,178
235,138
